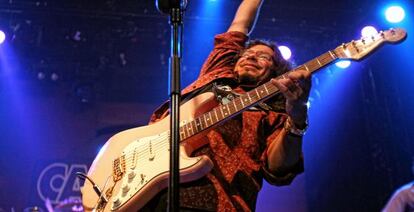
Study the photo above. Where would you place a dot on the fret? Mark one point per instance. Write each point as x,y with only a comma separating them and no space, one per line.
203,118
253,96
265,86
325,58
319,62
187,130
198,124
312,65
333,56
225,113
329,57
182,133
241,101
202,125
306,67
339,52
217,118
257,93
235,105
230,108
194,124
246,100
210,119
192,128
250,99
220,114
260,90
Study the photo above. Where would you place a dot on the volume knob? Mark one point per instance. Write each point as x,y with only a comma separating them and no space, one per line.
131,176
125,190
116,203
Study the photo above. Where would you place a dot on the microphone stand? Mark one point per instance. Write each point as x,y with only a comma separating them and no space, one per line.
176,22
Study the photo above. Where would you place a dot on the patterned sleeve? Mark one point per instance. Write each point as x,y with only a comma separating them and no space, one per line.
220,63
275,126
226,48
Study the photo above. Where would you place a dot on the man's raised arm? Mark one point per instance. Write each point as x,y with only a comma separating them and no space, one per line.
246,16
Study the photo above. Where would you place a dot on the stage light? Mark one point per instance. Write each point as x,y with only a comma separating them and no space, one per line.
308,104
54,77
41,75
2,37
368,31
286,53
343,64
394,14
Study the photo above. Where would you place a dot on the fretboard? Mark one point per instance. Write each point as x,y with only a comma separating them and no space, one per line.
249,99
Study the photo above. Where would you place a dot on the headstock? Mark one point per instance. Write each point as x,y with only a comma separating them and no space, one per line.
358,49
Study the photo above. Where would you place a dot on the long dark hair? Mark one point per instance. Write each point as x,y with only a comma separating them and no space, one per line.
280,65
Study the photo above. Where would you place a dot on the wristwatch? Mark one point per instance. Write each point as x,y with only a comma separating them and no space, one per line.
294,131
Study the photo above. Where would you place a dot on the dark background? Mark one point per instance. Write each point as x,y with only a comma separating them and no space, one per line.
75,72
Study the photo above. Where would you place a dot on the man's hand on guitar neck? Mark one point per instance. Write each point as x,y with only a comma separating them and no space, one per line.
295,86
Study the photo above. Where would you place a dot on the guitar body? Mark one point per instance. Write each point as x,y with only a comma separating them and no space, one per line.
133,165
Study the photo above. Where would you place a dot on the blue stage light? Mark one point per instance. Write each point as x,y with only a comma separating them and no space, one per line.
2,37
286,53
394,14
343,64
368,31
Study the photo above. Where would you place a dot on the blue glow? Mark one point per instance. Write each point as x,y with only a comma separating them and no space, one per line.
17,99
199,38
368,31
343,64
286,53
2,37
394,14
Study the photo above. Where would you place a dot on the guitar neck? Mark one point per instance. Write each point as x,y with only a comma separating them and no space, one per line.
248,99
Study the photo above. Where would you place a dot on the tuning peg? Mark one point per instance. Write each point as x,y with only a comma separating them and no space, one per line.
382,34
343,45
353,42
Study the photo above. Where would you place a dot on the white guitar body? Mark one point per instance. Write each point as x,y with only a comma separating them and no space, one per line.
134,164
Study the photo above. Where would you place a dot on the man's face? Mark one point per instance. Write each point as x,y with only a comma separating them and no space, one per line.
254,65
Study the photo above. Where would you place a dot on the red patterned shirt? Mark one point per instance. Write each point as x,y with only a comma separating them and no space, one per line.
237,147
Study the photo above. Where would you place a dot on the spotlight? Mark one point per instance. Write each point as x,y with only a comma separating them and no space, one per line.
394,14
285,51
41,75
54,77
2,37
368,31
343,64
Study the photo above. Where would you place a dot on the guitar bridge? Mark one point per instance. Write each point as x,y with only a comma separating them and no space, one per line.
119,168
